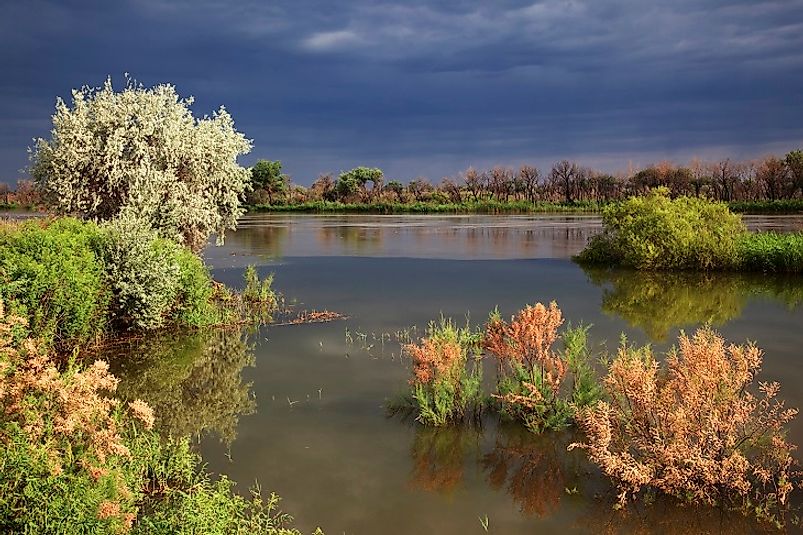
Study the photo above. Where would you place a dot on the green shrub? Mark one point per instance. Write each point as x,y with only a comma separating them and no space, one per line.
655,232
447,376
141,272
50,273
258,290
193,305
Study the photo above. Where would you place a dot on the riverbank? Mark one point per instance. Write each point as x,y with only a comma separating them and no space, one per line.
497,207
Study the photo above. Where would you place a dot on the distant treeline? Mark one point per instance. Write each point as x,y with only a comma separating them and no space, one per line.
767,185
755,185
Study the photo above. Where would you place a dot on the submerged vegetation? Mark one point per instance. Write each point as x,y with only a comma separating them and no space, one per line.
695,428
655,232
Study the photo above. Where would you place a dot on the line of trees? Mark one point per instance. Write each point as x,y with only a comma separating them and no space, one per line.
769,178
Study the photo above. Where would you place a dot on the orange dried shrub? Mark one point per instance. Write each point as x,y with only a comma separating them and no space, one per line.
691,427
531,372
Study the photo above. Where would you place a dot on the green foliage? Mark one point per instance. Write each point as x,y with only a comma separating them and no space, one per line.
586,389
771,252
50,272
258,290
266,175
527,398
655,232
75,281
141,151
420,207
141,272
447,384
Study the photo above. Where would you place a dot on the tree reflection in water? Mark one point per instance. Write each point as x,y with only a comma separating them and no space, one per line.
193,382
533,469
660,302
439,455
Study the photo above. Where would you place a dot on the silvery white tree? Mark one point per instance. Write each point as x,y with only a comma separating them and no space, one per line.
140,152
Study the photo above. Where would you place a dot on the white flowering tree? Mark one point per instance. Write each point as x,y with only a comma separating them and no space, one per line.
140,152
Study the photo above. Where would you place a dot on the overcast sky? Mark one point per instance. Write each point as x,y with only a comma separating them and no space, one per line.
428,87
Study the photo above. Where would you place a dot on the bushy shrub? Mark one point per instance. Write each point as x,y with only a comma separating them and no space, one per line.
447,376
532,373
75,281
258,290
141,271
656,232
140,151
692,428
76,460
51,273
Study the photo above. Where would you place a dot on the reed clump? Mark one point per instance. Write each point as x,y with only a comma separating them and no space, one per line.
693,427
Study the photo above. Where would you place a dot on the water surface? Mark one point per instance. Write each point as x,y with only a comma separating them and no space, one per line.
301,410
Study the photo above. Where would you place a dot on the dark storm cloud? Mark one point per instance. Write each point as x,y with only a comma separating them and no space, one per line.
429,87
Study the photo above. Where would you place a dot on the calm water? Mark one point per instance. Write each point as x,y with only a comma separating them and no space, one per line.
301,410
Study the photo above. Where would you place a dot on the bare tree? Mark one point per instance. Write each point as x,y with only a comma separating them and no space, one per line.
475,182
564,174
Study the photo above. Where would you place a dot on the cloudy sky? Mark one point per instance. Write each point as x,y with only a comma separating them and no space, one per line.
428,87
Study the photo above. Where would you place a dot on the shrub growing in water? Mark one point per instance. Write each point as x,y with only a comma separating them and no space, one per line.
656,232
531,374
447,376
691,428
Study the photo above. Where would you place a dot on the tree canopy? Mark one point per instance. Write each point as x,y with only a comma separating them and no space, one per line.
141,151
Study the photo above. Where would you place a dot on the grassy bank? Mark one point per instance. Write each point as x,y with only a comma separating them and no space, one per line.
497,207
479,207
77,282
655,232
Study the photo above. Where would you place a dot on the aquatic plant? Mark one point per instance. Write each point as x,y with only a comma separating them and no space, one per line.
447,376
258,290
531,373
692,427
